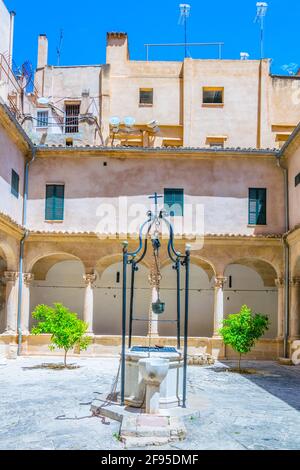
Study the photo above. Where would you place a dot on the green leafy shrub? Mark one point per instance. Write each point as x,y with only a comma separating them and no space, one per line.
243,329
65,328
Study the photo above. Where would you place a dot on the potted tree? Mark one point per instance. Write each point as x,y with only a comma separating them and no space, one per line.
65,328
242,330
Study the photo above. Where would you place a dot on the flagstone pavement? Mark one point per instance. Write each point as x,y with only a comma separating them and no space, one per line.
50,409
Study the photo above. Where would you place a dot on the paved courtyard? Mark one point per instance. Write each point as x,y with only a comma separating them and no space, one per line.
50,409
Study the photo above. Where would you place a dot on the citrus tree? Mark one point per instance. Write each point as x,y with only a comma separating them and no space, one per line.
242,330
65,328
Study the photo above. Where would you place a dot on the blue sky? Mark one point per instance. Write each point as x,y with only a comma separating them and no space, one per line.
85,25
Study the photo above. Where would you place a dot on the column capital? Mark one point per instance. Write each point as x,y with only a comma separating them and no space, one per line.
11,276
220,282
295,282
28,278
89,279
280,282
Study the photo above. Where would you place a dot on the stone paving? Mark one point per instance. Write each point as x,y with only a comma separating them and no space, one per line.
50,409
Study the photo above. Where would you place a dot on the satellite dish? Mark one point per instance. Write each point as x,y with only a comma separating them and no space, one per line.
152,124
115,121
43,100
129,121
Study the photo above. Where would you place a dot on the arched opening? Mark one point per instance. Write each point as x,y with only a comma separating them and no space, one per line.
108,300
251,282
201,299
3,268
58,278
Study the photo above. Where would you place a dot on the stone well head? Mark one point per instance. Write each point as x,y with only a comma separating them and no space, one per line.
154,370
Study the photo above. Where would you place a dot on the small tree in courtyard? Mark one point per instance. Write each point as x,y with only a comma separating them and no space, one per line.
242,330
65,328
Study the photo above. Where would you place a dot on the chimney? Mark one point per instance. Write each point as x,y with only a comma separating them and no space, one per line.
11,36
117,48
42,60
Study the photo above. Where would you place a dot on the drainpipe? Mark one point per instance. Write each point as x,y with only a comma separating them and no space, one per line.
22,243
286,261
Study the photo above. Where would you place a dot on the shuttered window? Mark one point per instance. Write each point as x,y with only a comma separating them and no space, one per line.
146,96
72,118
174,201
54,202
15,183
257,206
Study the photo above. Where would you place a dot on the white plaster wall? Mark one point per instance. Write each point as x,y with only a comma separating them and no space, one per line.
248,289
64,284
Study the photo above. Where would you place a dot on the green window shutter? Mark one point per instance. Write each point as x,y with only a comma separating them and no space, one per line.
257,206
15,183
174,197
54,202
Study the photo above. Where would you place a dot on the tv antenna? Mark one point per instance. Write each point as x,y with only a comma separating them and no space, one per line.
262,8
185,11
59,47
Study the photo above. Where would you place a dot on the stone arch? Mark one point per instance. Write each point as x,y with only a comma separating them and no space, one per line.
108,297
201,293
41,264
296,267
106,261
9,254
58,278
264,268
252,281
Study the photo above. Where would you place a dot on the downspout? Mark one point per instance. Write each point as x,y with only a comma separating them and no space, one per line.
286,261
22,243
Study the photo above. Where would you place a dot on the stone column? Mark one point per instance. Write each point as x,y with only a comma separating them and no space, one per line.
280,309
88,308
25,313
219,304
294,309
11,279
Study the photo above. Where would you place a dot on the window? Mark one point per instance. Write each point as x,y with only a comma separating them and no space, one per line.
216,145
72,118
213,96
15,183
146,96
257,206
55,202
42,119
173,201
297,179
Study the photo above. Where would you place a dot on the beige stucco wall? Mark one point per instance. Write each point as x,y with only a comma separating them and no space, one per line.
237,119
294,191
10,158
285,100
164,77
217,184
252,107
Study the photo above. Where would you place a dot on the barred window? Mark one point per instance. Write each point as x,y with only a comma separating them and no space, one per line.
42,119
72,118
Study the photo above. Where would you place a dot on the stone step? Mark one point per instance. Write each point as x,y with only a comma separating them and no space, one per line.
132,442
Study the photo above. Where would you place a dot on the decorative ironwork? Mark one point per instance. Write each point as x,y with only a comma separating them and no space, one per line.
151,230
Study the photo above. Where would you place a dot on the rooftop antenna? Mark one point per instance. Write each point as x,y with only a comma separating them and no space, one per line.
261,12
185,11
59,47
